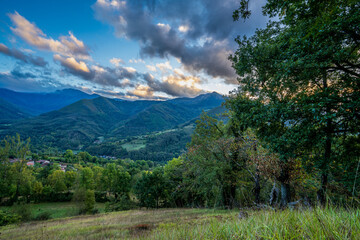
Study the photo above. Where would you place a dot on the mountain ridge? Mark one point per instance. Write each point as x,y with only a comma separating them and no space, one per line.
81,123
37,103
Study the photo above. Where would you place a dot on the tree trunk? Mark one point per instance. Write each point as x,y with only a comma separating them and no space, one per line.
284,186
285,194
327,151
274,195
257,187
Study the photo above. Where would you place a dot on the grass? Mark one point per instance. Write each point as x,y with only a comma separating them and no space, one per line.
195,224
57,210
134,145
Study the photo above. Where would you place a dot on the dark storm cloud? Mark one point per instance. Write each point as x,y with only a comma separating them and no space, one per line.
199,33
27,58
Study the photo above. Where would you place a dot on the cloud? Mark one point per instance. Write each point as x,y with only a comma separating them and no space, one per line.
20,79
164,67
136,61
104,76
201,36
142,91
27,58
151,68
68,46
116,61
174,85
71,64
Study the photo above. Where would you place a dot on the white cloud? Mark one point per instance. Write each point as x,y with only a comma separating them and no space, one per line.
136,61
183,28
68,46
164,66
116,61
130,69
151,68
71,63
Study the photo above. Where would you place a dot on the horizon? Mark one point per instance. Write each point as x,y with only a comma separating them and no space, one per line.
110,97
122,49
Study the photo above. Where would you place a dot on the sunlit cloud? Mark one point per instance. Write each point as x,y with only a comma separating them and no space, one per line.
68,46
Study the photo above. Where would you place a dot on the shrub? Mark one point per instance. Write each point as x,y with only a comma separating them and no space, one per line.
43,216
89,201
8,218
23,210
119,204
100,197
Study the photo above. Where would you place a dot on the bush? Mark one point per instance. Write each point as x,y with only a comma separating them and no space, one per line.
43,216
100,197
23,210
8,218
119,204
85,200
89,201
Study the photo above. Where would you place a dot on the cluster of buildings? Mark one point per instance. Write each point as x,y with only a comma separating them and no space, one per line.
42,163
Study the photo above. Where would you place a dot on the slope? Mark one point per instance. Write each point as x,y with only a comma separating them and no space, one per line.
9,112
38,103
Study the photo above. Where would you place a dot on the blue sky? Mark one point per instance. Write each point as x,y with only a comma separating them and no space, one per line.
138,49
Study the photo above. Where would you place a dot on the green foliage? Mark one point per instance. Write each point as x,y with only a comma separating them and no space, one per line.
151,189
43,216
298,80
116,180
57,181
85,178
122,203
23,210
89,203
8,218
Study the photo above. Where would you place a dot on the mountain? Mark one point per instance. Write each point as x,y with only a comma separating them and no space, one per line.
9,112
37,103
82,123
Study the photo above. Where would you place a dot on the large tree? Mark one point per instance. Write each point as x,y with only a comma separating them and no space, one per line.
300,80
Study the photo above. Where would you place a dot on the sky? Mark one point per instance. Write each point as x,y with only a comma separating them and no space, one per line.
128,49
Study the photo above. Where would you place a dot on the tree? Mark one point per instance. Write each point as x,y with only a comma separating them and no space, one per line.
173,173
301,75
116,180
151,189
214,163
69,156
70,179
16,179
57,181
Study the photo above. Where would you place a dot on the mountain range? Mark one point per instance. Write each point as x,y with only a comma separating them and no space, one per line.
71,119
34,104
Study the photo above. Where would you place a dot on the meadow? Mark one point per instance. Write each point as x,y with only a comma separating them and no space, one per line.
328,223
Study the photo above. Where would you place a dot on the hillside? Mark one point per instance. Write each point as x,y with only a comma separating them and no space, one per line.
81,124
38,103
9,112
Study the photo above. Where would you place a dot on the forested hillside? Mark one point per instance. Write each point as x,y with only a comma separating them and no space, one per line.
103,125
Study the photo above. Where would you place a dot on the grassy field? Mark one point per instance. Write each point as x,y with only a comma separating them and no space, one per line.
195,224
57,210
135,144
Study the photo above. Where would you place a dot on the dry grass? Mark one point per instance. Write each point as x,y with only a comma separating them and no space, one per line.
195,224
117,225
